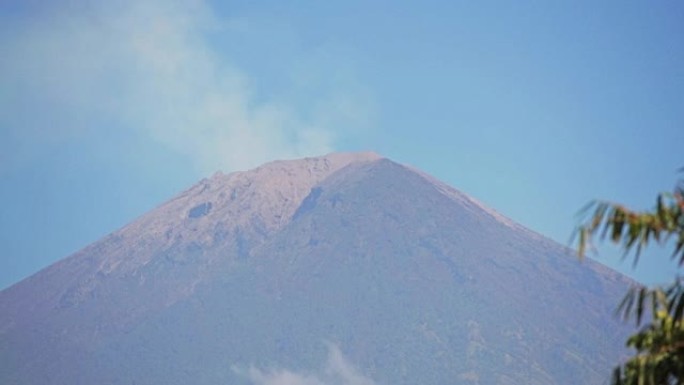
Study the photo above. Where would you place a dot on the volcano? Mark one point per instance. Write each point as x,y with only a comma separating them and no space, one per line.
343,269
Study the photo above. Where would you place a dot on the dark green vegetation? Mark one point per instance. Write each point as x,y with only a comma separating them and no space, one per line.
415,282
659,343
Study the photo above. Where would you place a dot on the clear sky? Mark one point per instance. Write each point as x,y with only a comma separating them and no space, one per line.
109,108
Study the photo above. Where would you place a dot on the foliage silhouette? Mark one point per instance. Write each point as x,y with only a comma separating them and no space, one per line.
659,342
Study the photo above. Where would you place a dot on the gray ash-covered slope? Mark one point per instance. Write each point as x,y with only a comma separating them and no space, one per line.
415,282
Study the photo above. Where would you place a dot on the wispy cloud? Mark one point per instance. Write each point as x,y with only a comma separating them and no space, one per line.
151,68
337,371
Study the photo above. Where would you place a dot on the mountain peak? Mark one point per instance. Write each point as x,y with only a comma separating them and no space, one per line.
324,164
273,191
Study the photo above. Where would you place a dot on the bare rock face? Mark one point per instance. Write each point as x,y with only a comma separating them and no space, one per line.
414,281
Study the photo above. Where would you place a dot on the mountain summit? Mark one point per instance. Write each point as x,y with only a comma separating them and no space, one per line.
404,280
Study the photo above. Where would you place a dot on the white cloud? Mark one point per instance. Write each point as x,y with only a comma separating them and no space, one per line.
150,67
337,371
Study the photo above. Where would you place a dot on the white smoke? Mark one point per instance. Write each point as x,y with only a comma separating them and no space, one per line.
149,67
337,371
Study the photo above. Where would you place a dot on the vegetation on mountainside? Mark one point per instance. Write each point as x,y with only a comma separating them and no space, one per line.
657,311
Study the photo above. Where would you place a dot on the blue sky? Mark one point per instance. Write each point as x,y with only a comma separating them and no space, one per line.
108,109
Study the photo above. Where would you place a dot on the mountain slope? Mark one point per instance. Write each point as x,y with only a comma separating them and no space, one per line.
413,280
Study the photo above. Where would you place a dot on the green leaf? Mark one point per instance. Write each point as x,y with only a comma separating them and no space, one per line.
640,304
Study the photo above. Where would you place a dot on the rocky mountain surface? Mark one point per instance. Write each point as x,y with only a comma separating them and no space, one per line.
410,280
